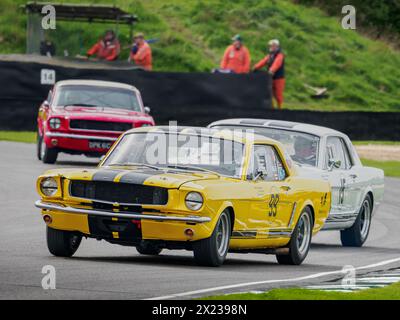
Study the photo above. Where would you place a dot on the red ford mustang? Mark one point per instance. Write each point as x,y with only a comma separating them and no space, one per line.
86,117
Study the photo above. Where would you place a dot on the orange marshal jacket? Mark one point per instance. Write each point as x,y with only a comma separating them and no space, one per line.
105,51
143,56
237,60
275,64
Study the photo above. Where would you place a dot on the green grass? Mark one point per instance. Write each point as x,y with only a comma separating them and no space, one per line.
361,74
391,292
20,136
379,142
391,168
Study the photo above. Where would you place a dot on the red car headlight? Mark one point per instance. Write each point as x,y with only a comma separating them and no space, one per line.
55,123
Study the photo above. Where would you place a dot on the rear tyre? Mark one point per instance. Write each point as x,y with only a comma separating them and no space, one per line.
300,241
358,233
213,250
148,248
47,155
62,243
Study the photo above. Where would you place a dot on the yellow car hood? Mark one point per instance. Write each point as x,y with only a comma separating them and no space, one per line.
170,178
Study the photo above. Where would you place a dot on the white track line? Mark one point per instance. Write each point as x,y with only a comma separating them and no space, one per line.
246,284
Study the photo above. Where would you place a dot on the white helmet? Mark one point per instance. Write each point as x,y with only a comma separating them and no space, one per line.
274,42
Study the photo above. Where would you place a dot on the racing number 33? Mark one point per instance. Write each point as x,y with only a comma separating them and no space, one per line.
273,205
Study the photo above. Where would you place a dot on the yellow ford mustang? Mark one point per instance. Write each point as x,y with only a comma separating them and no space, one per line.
187,188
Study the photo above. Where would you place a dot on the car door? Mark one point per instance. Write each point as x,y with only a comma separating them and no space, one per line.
266,174
354,181
337,174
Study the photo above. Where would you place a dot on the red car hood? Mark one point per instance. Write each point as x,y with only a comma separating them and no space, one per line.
102,113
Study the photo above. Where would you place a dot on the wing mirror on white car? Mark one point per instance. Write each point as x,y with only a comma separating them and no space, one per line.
147,110
334,164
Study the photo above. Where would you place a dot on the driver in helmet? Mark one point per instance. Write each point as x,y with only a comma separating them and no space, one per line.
305,151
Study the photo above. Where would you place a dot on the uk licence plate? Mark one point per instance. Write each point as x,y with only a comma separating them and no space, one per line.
100,144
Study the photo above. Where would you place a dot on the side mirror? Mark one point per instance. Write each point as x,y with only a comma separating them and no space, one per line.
260,174
147,110
334,164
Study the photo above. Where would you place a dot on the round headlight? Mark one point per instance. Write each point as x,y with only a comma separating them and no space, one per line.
194,201
55,123
49,186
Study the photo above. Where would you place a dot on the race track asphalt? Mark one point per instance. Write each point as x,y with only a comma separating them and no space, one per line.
103,271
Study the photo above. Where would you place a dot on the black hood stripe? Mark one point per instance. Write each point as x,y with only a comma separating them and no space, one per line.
137,177
106,175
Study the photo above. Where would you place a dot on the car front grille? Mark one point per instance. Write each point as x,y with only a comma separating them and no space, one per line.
99,125
123,193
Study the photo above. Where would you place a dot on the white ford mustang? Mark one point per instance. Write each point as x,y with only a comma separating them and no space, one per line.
328,154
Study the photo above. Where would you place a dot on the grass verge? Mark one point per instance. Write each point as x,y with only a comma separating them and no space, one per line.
18,136
376,142
391,292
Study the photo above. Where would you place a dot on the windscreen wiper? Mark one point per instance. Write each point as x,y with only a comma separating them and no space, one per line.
181,167
133,164
79,105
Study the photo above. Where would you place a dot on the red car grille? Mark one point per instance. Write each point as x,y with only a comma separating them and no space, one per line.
99,125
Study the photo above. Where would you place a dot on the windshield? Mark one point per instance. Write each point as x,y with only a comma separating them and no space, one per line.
97,96
179,151
301,147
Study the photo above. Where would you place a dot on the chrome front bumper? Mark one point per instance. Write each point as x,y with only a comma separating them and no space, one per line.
78,136
56,207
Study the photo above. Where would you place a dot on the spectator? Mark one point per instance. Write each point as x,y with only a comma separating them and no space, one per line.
236,57
275,62
47,48
141,52
108,48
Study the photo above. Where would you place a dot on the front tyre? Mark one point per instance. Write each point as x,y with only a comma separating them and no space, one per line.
62,243
148,248
47,155
39,141
300,240
358,233
213,250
